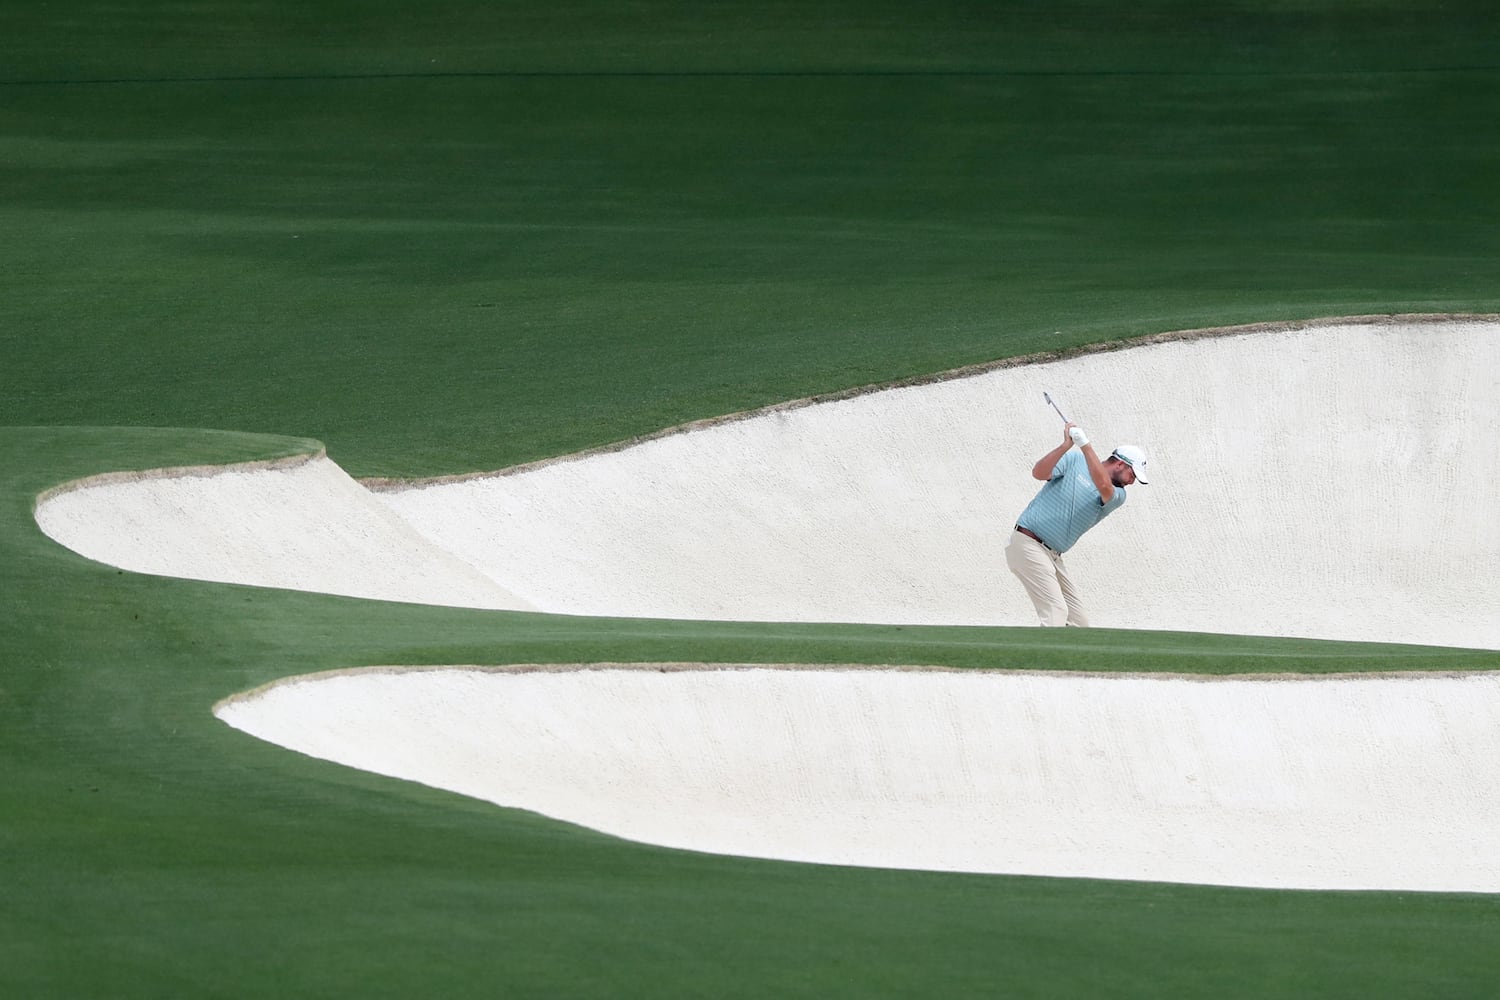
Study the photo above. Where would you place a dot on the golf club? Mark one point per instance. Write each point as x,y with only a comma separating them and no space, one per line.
1048,398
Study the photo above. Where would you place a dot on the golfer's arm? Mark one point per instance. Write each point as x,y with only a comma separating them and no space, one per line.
1101,478
1042,470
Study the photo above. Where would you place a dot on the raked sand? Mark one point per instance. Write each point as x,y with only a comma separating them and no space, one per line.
1334,783
1336,481
298,525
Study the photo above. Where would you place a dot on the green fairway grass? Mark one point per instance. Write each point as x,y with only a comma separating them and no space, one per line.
460,235
187,857
438,274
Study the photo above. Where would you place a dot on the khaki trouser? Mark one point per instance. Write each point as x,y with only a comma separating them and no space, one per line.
1042,573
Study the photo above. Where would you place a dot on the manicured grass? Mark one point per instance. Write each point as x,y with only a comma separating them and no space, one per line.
186,857
459,235
437,274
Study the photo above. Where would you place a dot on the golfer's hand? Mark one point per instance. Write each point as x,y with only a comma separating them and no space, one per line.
1073,434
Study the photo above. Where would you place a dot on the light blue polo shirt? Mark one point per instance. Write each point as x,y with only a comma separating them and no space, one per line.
1068,505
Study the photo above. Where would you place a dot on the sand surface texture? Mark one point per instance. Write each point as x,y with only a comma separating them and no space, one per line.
299,525
1333,482
1348,783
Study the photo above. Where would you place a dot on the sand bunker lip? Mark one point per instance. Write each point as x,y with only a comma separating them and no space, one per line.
299,523
1322,480
1369,782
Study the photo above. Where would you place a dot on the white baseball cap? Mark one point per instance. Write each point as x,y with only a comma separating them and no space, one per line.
1135,457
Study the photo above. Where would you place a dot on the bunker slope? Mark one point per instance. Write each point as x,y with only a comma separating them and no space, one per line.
1332,482
1374,782
1336,481
301,525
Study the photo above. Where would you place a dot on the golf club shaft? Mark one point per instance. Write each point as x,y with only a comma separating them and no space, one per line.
1048,398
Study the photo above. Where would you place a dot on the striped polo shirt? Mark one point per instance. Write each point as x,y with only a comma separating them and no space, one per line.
1068,505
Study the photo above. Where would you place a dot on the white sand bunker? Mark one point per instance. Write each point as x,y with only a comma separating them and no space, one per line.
1332,481
298,524
1344,783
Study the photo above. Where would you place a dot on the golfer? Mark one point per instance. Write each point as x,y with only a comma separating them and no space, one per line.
1080,492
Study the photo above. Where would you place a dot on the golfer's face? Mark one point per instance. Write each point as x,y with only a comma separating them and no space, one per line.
1121,474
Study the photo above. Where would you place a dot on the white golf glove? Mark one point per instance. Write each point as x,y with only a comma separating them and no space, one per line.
1079,438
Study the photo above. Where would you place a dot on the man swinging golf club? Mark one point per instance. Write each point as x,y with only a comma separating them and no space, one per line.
1079,492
